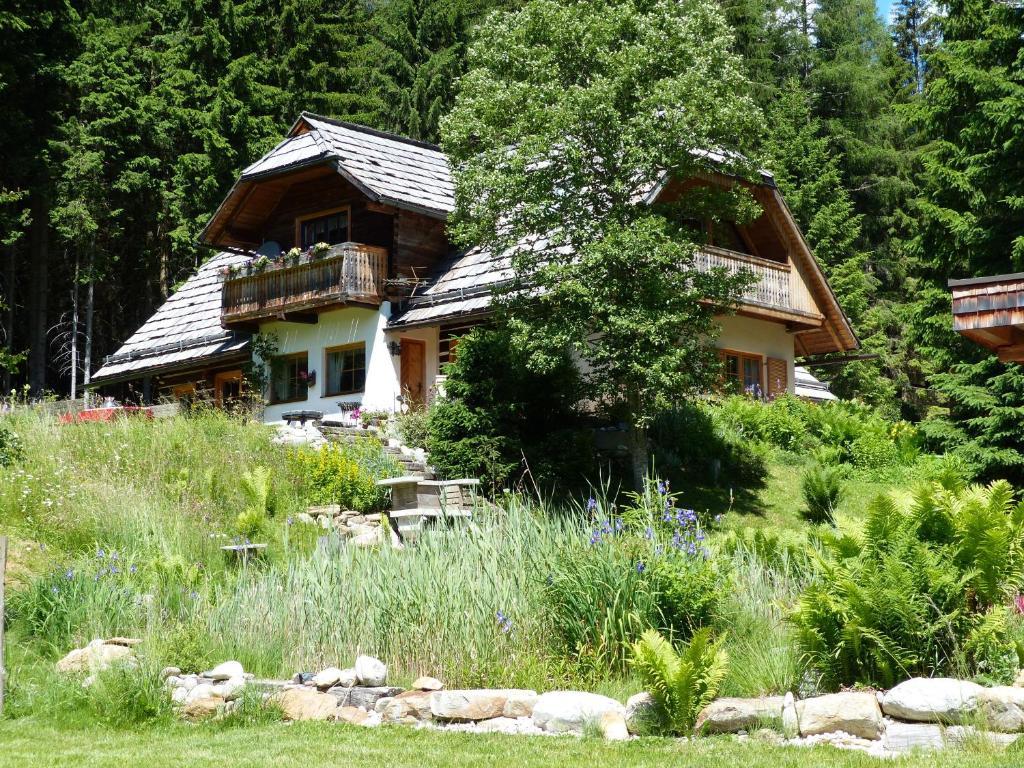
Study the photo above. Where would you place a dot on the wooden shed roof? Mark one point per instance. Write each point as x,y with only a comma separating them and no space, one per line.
990,312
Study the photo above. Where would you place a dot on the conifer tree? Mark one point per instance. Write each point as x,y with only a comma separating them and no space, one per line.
415,56
973,222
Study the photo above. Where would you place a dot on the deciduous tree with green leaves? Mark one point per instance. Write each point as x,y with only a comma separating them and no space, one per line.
569,118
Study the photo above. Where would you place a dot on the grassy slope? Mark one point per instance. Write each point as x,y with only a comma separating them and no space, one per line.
27,745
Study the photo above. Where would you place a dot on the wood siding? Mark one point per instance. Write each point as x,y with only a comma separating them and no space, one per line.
351,273
990,312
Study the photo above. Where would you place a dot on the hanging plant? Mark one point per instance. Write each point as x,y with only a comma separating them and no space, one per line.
293,255
260,264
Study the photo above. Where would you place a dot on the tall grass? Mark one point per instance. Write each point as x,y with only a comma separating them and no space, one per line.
498,602
763,655
463,605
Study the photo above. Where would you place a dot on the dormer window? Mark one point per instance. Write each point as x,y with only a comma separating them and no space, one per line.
329,227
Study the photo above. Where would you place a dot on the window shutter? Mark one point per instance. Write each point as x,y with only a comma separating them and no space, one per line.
778,377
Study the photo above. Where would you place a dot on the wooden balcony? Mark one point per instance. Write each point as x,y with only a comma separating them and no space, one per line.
298,289
778,288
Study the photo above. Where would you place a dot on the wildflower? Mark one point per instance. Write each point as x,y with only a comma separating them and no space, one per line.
595,538
55,590
618,525
504,622
132,568
648,532
113,555
591,504
549,580
662,487
640,567
289,521
69,574
194,595
114,570
100,554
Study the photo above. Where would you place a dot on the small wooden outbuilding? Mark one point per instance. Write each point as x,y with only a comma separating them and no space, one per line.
990,311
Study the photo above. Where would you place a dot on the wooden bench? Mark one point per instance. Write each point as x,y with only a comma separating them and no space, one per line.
417,503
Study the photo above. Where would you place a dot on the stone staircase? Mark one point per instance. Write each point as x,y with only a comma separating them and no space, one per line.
410,464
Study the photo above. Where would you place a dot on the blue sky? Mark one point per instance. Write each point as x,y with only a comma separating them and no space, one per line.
883,9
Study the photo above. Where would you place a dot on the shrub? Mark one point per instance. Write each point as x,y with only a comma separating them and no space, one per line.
343,475
11,449
501,416
681,683
779,422
413,428
822,489
916,595
874,449
693,442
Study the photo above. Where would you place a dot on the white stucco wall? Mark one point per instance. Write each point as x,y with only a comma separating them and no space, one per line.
757,337
349,326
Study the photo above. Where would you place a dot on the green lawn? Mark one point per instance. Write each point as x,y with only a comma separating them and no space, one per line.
26,744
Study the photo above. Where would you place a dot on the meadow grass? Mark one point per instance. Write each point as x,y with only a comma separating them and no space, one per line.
27,744
118,529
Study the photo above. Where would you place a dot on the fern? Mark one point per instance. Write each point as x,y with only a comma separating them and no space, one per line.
928,571
681,683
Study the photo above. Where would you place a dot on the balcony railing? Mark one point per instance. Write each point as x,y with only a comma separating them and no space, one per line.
347,273
777,285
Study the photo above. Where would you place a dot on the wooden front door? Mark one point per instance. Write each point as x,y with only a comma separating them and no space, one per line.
414,370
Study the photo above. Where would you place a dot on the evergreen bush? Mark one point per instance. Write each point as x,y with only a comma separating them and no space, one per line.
501,417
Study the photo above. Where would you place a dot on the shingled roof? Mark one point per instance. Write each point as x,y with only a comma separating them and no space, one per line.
185,329
388,169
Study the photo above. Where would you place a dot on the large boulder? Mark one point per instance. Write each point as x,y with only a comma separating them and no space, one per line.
408,707
640,713
734,715
1002,708
613,726
932,700
427,684
520,704
97,656
327,678
472,704
225,671
306,704
201,691
572,711
371,672
202,708
365,698
351,715
230,689
907,737
855,713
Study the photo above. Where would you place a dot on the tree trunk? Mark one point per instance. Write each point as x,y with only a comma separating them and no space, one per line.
637,439
89,305
39,288
8,323
74,332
